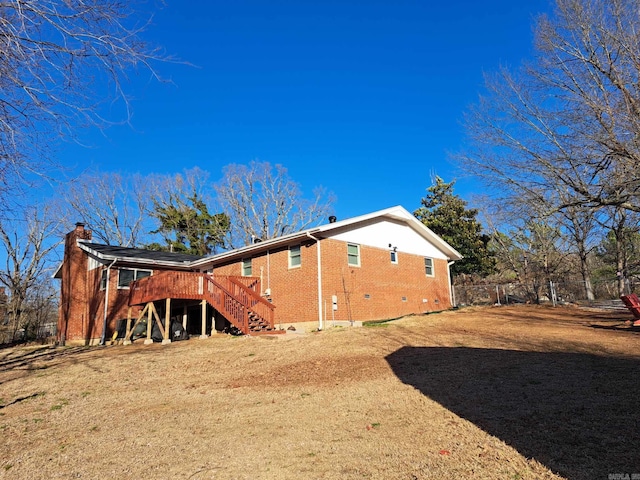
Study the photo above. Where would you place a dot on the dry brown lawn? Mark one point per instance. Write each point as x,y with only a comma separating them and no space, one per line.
486,393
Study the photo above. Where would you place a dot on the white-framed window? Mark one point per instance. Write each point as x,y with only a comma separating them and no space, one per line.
428,267
246,267
353,254
103,279
295,258
128,275
394,256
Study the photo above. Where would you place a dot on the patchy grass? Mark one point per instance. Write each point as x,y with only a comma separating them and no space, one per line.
486,393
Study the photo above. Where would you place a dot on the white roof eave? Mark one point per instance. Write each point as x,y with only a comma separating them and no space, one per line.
397,213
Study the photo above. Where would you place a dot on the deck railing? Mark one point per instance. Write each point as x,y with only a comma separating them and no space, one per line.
253,283
234,297
163,285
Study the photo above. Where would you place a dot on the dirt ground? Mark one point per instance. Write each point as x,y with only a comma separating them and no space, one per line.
484,393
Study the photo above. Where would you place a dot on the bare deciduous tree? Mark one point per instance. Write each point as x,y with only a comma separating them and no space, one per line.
619,247
59,60
114,206
28,245
580,223
570,120
263,202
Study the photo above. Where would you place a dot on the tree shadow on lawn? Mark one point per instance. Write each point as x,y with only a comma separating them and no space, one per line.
576,413
17,362
28,358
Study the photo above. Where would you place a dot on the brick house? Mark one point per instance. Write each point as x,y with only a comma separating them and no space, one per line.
385,264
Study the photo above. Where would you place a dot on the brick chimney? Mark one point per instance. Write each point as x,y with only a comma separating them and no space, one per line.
80,232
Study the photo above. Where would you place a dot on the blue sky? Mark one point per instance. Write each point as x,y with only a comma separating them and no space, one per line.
362,97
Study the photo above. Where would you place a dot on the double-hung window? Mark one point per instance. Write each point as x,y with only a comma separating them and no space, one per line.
246,267
428,267
295,259
353,254
103,279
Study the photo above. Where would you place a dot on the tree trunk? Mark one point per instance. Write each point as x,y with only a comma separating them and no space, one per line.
620,266
586,276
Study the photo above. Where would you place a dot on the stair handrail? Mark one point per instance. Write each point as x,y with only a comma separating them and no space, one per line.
252,283
267,310
241,321
235,299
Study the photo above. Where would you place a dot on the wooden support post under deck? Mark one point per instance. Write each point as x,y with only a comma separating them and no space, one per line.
167,322
126,335
149,325
184,317
203,332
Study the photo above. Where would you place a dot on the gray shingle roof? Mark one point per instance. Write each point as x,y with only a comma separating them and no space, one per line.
113,251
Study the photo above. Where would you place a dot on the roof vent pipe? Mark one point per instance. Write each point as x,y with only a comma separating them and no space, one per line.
333,219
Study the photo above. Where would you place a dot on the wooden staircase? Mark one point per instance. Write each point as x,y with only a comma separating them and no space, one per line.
235,298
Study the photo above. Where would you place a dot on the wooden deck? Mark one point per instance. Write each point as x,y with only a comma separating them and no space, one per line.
236,298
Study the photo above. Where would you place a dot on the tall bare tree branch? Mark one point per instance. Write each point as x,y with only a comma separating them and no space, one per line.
565,128
263,202
59,61
115,207
28,245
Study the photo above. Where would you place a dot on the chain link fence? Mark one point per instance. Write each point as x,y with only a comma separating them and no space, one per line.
558,292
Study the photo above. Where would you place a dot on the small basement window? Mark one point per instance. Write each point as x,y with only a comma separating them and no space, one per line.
128,275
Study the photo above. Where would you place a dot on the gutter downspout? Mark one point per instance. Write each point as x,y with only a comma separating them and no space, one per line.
451,299
103,337
320,322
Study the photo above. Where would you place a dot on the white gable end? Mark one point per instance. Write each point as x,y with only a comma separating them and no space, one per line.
380,233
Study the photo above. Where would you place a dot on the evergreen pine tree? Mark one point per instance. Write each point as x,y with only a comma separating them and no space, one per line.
447,215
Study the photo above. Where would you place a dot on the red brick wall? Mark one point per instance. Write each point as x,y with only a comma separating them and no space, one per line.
73,312
81,310
294,291
384,282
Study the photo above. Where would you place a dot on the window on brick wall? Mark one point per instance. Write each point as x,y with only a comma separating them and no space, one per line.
128,275
353,254
295,259
428,267
394,256
246,267
103,279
